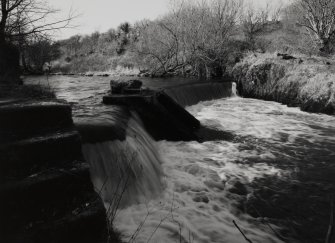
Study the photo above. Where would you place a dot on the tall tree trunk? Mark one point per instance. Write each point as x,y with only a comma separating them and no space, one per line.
327,46
9,65
9,55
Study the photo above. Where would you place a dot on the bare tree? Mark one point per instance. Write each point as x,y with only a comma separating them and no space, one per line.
318,17
255,21
194,35
21,20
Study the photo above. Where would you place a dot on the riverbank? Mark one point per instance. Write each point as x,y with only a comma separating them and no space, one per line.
305,82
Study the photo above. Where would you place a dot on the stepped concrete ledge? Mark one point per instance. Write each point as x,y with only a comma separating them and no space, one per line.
97,130
56,203
25,157
46,194
32,117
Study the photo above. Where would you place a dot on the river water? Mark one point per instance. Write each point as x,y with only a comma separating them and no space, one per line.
273,178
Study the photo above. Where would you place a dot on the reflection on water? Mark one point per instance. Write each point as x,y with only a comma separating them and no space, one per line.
275,177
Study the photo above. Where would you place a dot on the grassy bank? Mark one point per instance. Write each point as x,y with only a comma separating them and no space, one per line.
306,82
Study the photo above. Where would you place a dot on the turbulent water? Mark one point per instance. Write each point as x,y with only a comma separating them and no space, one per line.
272,178
278,166
126,172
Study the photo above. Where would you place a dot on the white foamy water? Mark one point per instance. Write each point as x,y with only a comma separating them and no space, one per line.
207,182
125,172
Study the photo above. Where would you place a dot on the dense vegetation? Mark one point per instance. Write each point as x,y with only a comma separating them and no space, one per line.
198,38
25,28
307,82
195,38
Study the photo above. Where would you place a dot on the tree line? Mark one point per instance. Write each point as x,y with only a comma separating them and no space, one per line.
25,25
198,38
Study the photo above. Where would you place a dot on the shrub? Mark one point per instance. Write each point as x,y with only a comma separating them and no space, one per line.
305,82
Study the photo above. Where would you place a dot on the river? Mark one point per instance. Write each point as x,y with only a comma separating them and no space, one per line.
273,178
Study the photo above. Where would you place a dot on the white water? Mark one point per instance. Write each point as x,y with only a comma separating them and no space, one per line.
125,172
197,205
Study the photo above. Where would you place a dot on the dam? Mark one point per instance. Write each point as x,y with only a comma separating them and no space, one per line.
243,170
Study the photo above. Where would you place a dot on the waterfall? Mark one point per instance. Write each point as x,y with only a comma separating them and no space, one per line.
125,171
191,94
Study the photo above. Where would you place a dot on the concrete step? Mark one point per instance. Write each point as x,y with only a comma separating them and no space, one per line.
28,156
23,119
57,205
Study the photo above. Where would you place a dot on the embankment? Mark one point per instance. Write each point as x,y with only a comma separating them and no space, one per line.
308,83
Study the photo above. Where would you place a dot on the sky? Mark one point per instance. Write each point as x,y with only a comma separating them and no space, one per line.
101,15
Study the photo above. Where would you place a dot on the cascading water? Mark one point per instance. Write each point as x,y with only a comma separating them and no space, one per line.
125,172
278,157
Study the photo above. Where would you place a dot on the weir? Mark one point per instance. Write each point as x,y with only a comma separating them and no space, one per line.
125,165
124,170
191,94
162,111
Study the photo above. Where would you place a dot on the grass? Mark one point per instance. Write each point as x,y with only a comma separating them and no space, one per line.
307,82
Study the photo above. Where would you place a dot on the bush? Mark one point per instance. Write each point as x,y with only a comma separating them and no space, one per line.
305,82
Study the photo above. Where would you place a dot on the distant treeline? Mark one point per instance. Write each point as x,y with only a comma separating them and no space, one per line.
195,38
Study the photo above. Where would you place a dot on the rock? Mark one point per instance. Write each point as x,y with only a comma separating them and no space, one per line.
134,84
120,87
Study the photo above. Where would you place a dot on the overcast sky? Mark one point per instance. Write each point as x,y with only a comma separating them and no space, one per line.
101,15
